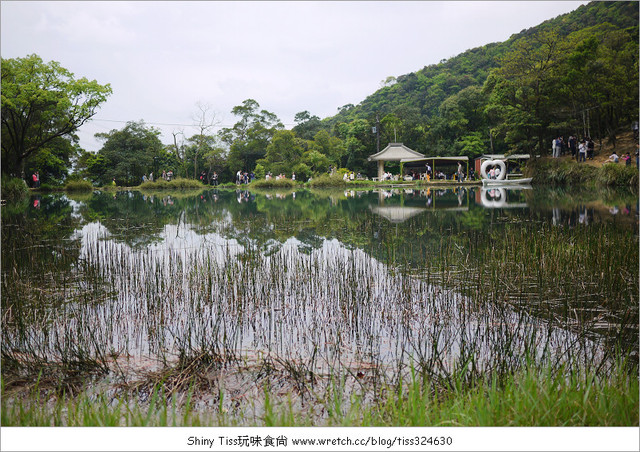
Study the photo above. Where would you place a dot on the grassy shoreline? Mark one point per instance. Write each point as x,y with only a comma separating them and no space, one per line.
544,171
530,397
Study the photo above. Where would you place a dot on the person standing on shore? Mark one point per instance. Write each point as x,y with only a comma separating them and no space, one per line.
572,145
591,146
582,151
557,147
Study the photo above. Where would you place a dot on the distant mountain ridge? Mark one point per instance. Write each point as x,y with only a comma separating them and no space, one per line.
416,107
623,14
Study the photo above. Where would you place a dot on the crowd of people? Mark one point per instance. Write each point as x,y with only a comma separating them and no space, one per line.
350,175
580,150
166,175
243,177
280,176
584,149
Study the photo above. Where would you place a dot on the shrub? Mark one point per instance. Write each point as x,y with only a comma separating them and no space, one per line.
618,174
13,188
49,187
303,172
178,183
325,180
559,172
568,172
78,185
259,171
185,184
273,183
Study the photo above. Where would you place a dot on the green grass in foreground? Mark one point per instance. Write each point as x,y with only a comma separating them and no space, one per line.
530,398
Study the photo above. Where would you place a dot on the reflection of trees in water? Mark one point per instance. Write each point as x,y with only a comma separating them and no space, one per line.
588,214
37,236
438,237
571,206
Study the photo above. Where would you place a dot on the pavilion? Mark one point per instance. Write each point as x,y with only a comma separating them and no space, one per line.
439,162
394,152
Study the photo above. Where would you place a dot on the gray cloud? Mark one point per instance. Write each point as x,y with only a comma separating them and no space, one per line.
161,58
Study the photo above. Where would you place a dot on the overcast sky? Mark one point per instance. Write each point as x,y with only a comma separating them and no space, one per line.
162,58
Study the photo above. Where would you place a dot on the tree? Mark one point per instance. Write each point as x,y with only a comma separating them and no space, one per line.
54,160
210,152
522,91
127,154
359,144
42,102
204,121
178,150
389,81
317,162
600,80
330,146
283,153
392,127
249,137
306,125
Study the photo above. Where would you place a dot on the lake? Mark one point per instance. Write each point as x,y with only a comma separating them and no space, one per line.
300,287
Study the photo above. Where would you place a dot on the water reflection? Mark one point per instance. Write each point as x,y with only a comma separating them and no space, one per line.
352,275
498,198
399,205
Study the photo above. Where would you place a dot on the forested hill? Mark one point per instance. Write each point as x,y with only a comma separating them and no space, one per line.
574,74
556,78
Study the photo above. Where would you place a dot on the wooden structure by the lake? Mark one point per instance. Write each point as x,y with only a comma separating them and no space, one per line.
437,162
394,152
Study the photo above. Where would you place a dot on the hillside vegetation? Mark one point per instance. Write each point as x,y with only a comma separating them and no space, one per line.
574,74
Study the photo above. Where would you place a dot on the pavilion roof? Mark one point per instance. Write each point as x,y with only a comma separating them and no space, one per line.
395,152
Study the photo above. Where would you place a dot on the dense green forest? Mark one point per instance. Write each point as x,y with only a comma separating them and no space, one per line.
519,94
574,74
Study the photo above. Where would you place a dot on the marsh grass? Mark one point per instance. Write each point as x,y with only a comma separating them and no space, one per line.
331,336
327,181
560,172
540,396
13,188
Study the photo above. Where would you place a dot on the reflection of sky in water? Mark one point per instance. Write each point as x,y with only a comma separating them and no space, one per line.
220,284
334,306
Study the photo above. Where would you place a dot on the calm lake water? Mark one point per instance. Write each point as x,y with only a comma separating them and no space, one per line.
371,281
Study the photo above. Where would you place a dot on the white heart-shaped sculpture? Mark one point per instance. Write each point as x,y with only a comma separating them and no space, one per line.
499,163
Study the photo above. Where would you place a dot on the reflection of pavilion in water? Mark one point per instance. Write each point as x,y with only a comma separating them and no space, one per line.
398,205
